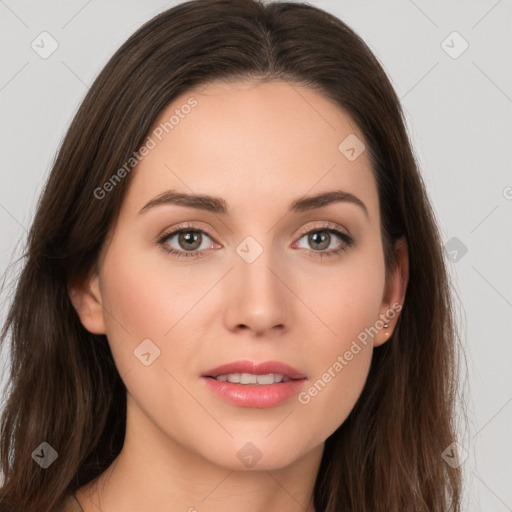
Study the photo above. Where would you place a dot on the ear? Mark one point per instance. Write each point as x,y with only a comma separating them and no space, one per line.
394,293
86,299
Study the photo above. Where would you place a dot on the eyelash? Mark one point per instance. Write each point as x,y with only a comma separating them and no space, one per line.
327,227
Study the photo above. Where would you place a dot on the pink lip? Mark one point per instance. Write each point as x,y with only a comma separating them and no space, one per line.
255,395
263,368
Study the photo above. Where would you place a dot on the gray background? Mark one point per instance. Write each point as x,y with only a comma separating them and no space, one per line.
459,119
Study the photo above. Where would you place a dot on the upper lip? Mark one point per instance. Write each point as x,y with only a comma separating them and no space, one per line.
253,368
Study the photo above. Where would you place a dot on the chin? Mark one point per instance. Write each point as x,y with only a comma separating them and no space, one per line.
257,454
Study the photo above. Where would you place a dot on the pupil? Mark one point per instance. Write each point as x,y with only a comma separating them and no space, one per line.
190,237
322,238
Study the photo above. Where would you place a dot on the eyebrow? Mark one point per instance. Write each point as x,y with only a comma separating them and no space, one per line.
219,205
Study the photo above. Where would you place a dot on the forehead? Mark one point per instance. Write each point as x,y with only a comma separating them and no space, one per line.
248,141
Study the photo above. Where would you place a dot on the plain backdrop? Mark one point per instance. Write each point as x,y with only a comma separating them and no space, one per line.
451,65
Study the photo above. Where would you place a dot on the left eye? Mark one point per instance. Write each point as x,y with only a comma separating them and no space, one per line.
321,239
189,240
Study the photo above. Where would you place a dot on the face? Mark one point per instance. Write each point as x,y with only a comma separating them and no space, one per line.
262,273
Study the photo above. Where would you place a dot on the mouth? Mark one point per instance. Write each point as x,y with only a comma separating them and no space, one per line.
248,372
258,385
251,379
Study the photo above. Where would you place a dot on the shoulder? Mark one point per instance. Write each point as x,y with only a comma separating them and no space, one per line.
71,505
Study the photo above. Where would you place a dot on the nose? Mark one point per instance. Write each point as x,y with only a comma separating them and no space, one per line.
257,301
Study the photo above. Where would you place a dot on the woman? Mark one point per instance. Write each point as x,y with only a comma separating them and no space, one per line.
234,295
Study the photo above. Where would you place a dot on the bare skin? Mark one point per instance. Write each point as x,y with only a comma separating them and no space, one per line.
259,147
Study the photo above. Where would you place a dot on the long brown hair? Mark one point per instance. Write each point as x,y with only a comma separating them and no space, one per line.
64,388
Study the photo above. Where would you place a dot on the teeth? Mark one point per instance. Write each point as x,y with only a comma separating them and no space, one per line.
248,378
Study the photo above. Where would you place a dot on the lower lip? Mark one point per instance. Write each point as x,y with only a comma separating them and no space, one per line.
255,395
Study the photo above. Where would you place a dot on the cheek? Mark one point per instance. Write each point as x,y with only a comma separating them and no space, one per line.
147,298
144,294
144,303
348,308
333,392
341,364
141,302
347,299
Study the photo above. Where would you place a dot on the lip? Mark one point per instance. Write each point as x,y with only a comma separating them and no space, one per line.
263,368
255,395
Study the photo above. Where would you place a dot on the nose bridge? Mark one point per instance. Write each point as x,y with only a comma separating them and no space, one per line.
257,298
